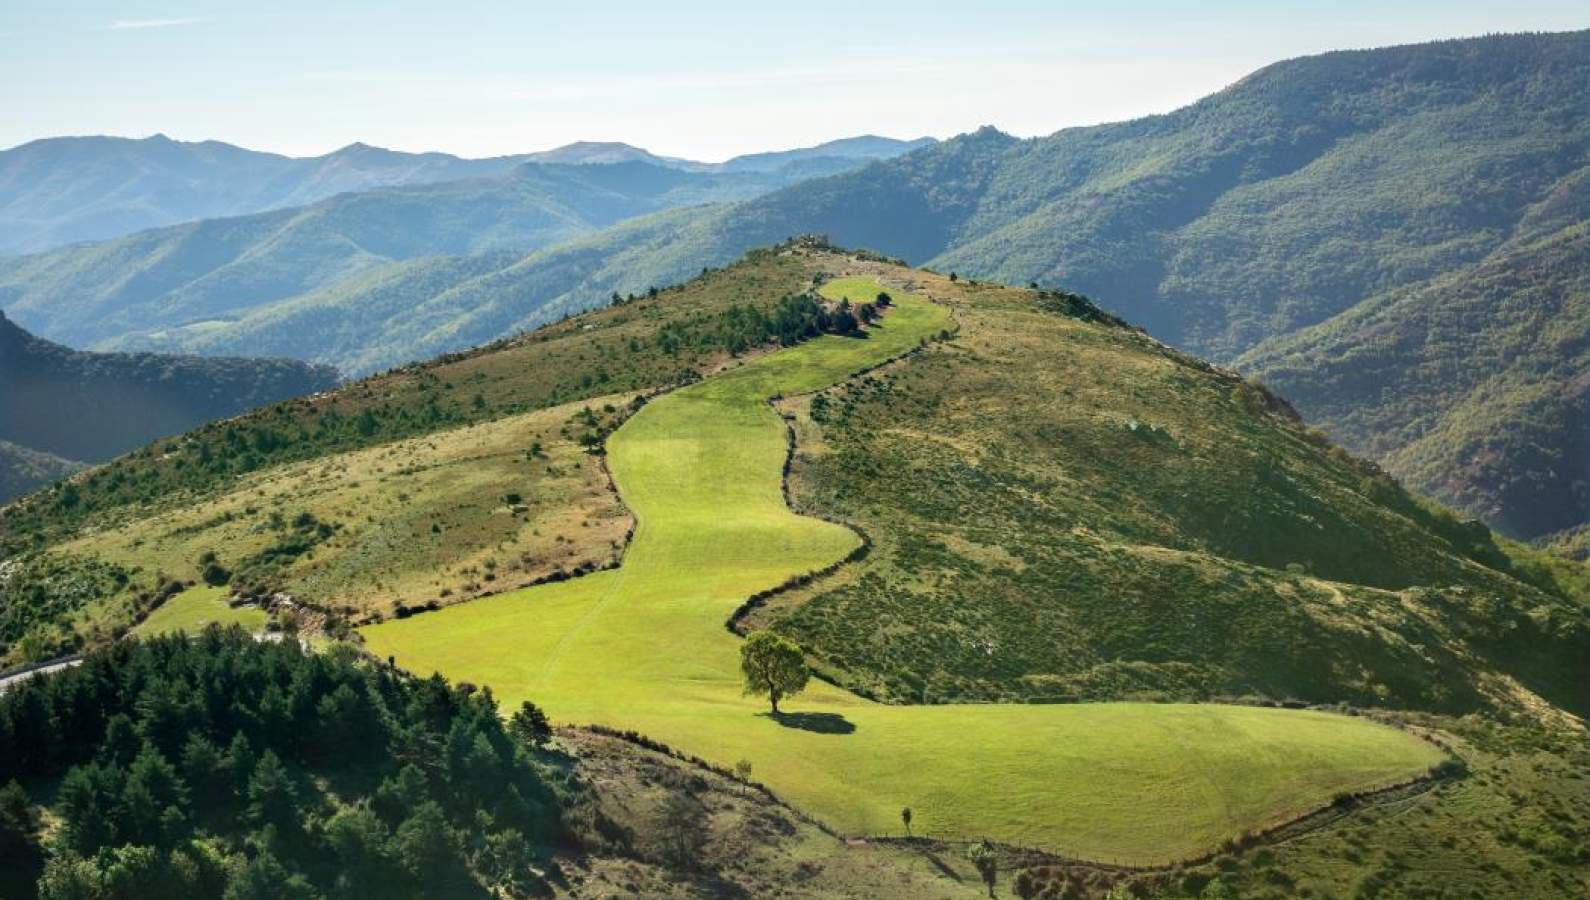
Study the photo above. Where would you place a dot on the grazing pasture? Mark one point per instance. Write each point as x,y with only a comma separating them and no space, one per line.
644,647
196,607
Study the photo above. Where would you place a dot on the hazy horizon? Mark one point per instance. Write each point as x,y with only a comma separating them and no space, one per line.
707,83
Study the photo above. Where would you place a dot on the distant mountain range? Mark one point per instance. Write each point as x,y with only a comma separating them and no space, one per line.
61,408
1434,192
67,190
1358,228
813,159
201,276
206,285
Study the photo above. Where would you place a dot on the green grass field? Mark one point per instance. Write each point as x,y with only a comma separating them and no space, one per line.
644,647
197,607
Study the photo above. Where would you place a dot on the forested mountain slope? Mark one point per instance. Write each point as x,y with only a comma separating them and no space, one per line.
1474,385
1228,227
92,406
180,288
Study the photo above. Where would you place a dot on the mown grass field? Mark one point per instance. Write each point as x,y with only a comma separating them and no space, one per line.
196,607
644,647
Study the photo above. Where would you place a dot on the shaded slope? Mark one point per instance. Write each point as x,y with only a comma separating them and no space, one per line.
92,406
1474,387
22,470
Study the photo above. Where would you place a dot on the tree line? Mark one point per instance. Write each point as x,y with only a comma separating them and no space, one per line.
218,766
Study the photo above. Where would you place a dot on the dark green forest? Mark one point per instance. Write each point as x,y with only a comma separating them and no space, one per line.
218,766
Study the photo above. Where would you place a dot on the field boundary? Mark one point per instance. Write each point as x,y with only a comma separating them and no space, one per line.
761,598
1016,856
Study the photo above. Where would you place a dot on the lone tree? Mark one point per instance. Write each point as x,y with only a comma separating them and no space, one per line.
905,816
774,666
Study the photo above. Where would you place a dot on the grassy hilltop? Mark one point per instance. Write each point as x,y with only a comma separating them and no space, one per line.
1057,508
642,647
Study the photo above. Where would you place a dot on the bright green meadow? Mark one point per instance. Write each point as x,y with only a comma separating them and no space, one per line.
644,647
197,607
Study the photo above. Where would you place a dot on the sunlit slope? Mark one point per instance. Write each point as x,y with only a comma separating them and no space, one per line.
645,647
195,608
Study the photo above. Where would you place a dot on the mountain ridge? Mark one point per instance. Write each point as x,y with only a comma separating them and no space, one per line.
65,190
1266,209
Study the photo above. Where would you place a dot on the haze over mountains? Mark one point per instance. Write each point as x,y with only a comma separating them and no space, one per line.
1342,226
66,190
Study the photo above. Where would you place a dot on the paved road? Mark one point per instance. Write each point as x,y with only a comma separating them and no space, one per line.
20,677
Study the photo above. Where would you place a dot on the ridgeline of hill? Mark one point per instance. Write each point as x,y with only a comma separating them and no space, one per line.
71,405
1057,505
1363,213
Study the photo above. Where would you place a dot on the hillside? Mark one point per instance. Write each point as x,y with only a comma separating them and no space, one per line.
22,470
1135,525
463,434
1252,222
93,406
1262,219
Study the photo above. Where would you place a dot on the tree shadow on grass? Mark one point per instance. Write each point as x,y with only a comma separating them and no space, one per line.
819,722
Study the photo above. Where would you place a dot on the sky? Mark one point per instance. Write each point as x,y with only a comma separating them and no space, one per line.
704,80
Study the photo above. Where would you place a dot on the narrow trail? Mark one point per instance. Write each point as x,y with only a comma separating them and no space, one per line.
643,647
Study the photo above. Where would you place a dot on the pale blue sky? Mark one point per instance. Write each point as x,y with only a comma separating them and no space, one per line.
705,80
